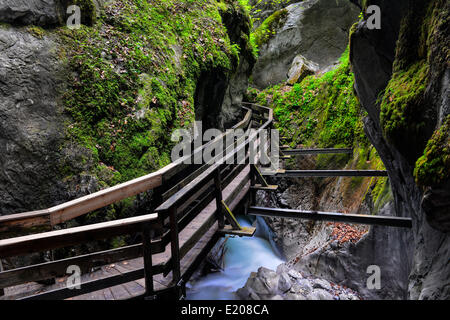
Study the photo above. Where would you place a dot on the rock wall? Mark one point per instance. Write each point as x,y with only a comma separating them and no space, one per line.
315,29
315,249
42,160
378,57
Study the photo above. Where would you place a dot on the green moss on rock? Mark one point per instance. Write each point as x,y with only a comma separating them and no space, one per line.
133,74
401,116
433,167
268,28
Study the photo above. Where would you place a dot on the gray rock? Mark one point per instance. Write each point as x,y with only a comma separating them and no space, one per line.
247,293
294,274
262,9
30,121
321,284
372,57
300,69
320,294
319,37
26,12
294,296
302,286
284,283
348,296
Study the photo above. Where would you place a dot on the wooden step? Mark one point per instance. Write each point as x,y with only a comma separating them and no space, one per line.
244,232
265,188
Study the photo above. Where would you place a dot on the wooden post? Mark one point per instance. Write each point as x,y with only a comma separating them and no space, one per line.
252,183
218,191
175,247
148,263
2,291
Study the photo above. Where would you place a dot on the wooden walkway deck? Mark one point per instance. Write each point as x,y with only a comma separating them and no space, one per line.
204,222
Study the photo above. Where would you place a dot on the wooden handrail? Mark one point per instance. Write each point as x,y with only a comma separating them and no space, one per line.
182,194
78,207
72,236
143,224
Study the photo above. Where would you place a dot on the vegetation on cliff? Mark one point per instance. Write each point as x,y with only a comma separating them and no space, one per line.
323,111
433,167
133,76
406,120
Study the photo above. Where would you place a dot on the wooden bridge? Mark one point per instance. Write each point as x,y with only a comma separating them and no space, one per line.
193,207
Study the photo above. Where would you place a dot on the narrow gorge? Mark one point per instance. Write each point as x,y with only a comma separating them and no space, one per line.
88,109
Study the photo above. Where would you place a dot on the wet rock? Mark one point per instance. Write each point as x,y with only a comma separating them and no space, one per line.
284,283
247,293
302,286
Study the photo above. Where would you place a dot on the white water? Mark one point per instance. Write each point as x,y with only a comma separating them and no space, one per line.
243,256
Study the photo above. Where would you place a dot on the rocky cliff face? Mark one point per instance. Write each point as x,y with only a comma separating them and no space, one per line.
88,108
401,78
315,29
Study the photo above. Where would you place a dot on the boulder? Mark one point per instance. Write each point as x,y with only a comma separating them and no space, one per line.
300,69
284,283
27,12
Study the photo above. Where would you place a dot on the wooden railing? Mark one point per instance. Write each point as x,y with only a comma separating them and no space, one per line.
182,191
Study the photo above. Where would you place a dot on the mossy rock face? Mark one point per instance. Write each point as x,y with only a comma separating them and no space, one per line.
268,28
433,168
404,120
135,72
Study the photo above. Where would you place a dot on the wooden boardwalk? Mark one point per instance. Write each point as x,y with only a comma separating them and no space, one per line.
193,207
204,221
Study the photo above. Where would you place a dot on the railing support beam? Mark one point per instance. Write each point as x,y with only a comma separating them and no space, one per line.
148,263
218,190
175,246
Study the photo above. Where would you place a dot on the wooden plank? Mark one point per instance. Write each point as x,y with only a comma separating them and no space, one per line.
73,236
318,151
89,286
328,173
264,188
83,205
58,268
21,222
230,217
243,232
332,216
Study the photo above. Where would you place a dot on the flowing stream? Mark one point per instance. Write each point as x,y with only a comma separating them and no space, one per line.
243,255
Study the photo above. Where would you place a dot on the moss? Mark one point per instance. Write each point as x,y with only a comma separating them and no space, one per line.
401,114
321,110
132,78
433,167
36,31
268,28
